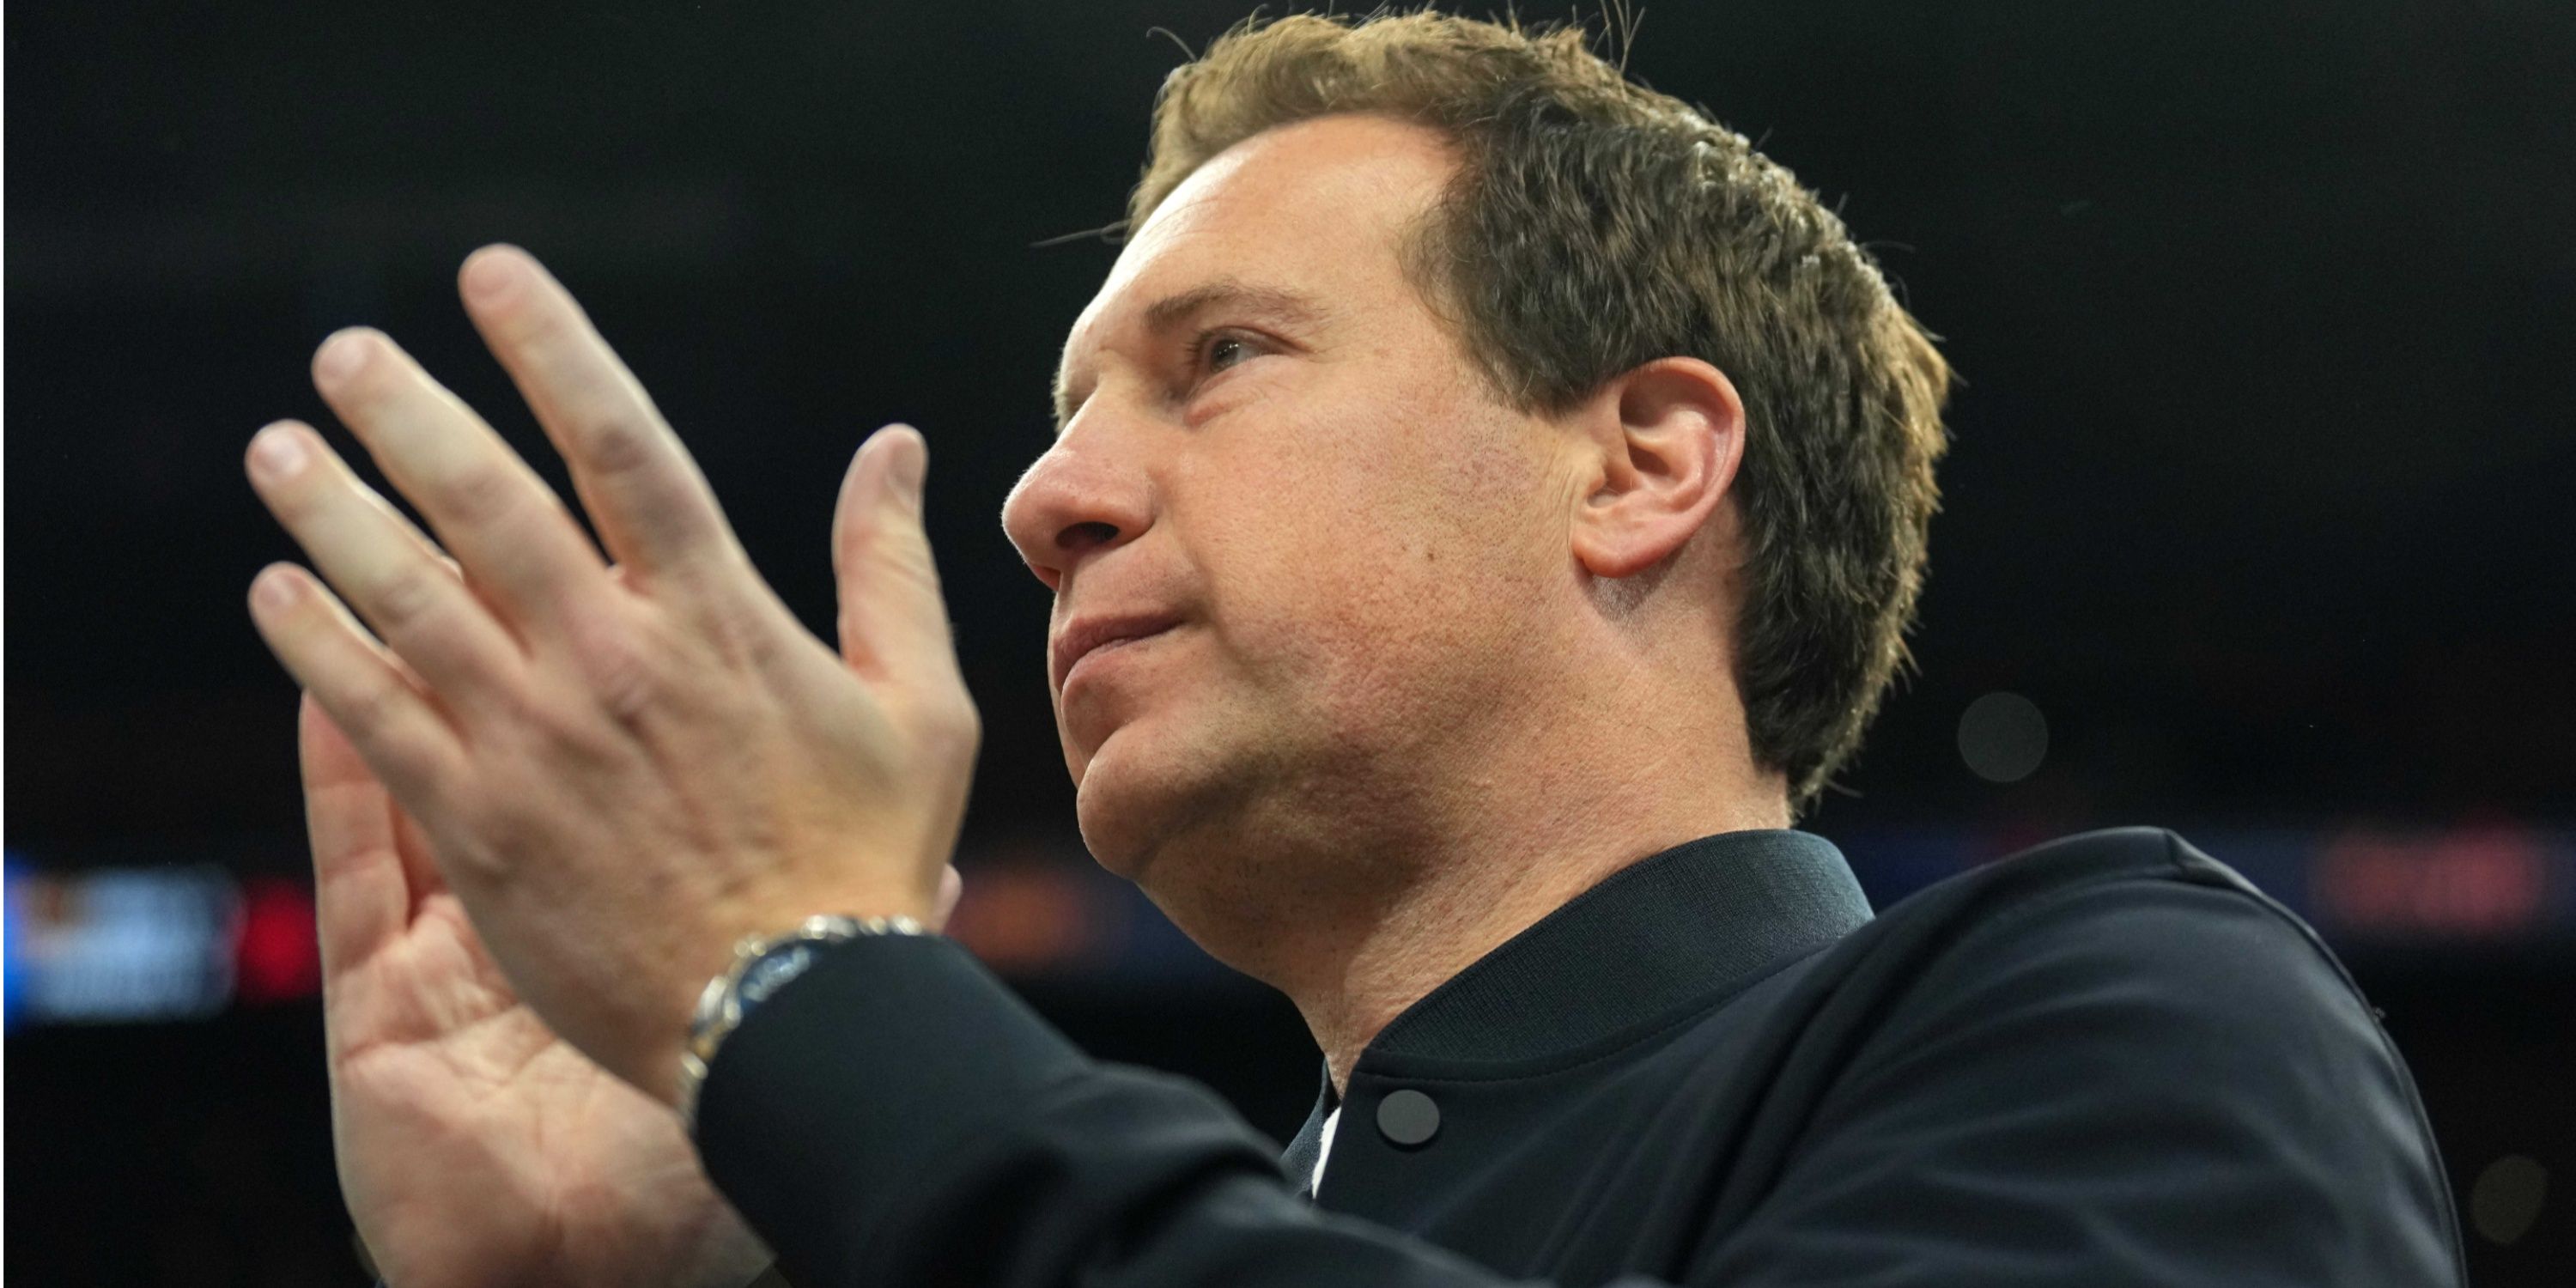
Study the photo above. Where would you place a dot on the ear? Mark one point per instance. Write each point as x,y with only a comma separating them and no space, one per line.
1665,439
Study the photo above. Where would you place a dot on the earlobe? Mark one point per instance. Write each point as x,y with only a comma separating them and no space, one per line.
1670,434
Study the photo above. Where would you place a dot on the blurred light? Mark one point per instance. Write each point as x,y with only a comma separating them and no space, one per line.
1027,918
157,943
279,958
2485,883
11,978
2003,737
130,945
2507,1197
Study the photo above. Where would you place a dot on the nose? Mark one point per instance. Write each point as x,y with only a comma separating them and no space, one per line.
1074,503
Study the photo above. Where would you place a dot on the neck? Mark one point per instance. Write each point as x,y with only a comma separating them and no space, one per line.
1360,891
1566,803
1442,926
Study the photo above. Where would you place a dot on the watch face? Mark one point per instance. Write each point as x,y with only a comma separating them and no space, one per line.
773,970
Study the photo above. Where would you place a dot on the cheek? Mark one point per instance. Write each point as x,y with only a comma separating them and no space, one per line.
1355,600
1303,559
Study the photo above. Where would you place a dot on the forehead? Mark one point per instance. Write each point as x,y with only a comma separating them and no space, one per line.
1318,207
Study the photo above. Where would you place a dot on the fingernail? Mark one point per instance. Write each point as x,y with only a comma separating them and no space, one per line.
274,589
908,471
341,355
891,483
278,452
490,276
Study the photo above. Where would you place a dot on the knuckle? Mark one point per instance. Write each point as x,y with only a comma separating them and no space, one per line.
616,442
618,669
480,494
405,599
744,632
367,712
375,717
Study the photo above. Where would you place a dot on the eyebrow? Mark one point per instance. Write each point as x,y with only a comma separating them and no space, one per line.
1173,312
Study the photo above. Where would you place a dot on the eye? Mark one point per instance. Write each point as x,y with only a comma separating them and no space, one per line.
1215,351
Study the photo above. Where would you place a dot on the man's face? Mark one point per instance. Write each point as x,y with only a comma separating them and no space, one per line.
1273,440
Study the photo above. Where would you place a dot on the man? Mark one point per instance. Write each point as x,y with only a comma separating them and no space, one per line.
1487,502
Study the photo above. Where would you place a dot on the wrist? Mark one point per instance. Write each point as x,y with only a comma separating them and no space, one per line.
762,965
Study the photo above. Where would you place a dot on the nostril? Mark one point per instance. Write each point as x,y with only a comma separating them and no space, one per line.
1083,536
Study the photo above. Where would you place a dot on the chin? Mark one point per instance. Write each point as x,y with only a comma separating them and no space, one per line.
1146,794
1124,801
1202,828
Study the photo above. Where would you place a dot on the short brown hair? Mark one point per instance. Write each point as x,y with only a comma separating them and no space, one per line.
1596,225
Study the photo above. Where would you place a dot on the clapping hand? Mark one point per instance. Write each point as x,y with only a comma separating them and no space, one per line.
547,792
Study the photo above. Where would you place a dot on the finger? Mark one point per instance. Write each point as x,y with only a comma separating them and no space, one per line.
486,504
652,507
893,619
952,887
361,900
420,872
396,728
364,894
387,568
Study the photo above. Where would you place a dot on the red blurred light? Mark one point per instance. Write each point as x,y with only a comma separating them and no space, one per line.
1027,918
2489,882
278,958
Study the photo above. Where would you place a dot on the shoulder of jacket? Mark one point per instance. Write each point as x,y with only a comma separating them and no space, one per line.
2056,868
2090,883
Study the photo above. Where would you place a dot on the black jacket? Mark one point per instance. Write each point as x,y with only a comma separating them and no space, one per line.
2107,1061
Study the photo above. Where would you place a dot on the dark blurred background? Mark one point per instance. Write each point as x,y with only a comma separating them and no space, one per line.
2256,524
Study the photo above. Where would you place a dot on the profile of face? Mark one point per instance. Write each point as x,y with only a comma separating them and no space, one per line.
1274,442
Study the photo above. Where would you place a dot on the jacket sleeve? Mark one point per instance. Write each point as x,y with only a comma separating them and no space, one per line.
898,1118
2197,1098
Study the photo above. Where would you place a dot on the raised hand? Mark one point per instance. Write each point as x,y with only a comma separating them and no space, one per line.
476,1147
602,775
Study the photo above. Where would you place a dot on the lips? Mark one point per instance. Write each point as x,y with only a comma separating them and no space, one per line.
1084,634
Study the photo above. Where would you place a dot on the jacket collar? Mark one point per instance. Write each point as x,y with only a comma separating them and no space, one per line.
1677,927
1672,932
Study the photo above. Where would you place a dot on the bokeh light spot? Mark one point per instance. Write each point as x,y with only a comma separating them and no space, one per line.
2003,737
2507,1197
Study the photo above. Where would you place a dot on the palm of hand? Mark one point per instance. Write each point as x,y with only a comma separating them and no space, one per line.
475,1145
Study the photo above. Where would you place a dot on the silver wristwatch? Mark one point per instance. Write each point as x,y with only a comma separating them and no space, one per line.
762,964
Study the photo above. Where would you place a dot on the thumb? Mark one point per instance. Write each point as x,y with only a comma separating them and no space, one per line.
893,621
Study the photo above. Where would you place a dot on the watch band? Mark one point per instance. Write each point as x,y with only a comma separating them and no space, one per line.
763,964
